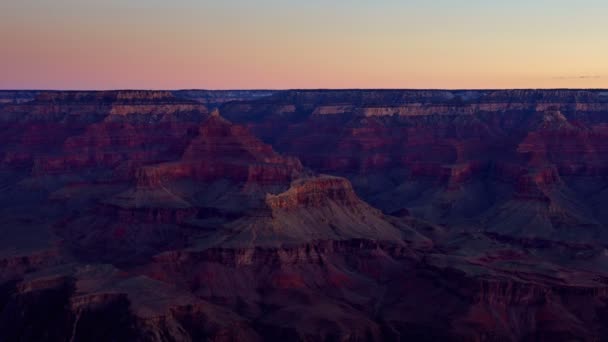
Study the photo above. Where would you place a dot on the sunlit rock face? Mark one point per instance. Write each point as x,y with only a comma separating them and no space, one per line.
303,215
453,157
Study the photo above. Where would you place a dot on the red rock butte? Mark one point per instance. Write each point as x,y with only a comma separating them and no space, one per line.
304,215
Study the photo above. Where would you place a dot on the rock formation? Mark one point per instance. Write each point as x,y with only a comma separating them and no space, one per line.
452,157
303,215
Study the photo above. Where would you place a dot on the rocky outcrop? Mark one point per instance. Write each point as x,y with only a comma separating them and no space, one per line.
63,132
215,98
447,156
17,96
96,302
138,215
317,209
224,151
460,305
314,193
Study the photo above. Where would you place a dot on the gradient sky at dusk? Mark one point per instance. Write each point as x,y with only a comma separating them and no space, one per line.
84,44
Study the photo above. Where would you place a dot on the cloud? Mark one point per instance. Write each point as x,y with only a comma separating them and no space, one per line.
579,77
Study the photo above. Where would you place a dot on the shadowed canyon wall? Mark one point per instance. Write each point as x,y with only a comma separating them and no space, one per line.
304,215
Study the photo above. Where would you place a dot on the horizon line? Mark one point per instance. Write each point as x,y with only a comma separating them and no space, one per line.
294,89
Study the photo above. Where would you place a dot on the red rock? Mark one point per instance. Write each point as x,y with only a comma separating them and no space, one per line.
139,215
446,155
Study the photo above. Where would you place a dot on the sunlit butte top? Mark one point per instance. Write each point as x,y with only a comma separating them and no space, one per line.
90,44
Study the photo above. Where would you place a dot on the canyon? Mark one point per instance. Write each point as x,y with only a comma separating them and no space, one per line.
346,215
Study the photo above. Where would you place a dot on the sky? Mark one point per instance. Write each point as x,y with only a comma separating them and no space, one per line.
279,44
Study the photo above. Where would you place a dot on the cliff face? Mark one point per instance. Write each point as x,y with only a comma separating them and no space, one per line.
140,215
215,98
17,96
224,151
63,132
314,194
451,156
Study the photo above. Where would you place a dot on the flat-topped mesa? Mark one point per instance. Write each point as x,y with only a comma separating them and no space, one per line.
213,98
314,193
547,95
359,97
87,107
158,103
17,96
371,103
390,97
423,148
318,208
322,208
118,96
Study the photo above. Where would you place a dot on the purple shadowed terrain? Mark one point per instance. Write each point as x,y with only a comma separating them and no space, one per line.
347,215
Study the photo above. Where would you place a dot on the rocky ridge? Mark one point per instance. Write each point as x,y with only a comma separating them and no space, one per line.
156,219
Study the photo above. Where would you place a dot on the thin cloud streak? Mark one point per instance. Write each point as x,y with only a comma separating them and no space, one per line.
580,77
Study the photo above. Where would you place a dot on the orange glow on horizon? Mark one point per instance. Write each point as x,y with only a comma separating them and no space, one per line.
214,47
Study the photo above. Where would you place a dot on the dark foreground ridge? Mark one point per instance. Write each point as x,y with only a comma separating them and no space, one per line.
304,215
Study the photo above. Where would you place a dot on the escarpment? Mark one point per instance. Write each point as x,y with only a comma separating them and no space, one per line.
63,132
380,215
451,157
314,193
